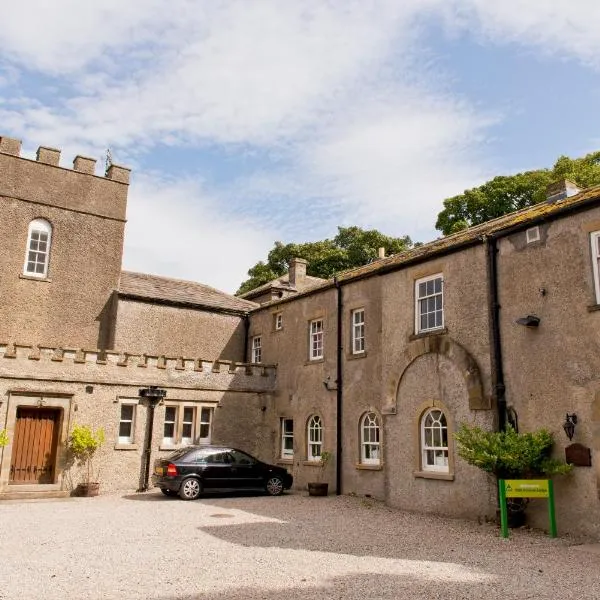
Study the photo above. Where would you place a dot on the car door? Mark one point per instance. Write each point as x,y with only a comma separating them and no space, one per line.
248,472
216,470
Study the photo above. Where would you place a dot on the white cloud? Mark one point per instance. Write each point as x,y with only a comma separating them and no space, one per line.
177,229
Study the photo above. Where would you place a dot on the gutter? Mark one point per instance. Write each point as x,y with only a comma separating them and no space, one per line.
246,336
339,391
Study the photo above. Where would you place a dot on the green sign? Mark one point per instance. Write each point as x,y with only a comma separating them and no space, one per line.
527,488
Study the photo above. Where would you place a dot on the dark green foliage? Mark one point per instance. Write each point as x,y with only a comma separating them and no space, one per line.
508,454
351,247
505,194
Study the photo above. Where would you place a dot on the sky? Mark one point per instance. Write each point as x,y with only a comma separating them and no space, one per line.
247,122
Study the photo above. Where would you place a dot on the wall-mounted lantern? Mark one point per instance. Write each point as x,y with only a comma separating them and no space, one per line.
569,425
529,321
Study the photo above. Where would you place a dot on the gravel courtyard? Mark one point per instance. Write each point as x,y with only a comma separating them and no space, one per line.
292,547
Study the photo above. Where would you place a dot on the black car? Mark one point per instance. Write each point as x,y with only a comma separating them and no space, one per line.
195,469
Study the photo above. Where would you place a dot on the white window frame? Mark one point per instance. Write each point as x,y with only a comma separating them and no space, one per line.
190,423
316,339
595,247
532,234
121,439
278,321
198,424
419,299
370,439
358,331
438,466
39,226
314,438
286,435
257,349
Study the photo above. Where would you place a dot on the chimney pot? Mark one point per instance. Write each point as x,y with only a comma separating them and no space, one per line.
48,156
10,146
297,273
559,190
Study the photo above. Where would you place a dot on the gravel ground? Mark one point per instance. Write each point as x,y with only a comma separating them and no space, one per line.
293,547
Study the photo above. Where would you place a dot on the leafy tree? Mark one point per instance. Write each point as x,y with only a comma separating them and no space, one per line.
505,194
351,247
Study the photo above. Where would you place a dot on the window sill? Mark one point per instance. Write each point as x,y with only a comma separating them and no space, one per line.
126,447
350,356
171,447
423,334
362,467
315,361
32,278
434,475
285,461
593,307
311,463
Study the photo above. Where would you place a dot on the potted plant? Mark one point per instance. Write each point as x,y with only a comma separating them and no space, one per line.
320,488
83,444
510,455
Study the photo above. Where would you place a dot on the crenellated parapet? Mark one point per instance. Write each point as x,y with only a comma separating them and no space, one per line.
121,368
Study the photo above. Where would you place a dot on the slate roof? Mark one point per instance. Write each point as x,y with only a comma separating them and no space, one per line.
283,283
178,291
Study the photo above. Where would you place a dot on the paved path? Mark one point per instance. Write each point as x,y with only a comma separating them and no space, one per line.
293,547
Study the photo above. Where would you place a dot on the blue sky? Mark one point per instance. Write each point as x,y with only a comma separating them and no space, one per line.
247,122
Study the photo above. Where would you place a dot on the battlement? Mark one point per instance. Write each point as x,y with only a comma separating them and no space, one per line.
112,367
51,156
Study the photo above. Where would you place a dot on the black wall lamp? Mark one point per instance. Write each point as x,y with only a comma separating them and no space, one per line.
529,321
569,425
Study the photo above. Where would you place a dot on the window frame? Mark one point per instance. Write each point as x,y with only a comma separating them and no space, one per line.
419,299
197,423
286,454
127,440
595,249
364,443
257,349
362,328
38,225
277,321
316,339
425,448
314,424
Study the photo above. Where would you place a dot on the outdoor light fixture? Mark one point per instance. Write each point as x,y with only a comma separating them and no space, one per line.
529,321
569,425
154,395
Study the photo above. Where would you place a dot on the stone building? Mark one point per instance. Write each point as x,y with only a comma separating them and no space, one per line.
378,366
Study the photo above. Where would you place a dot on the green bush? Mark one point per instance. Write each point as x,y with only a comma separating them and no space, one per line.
508,454
3,438
83,444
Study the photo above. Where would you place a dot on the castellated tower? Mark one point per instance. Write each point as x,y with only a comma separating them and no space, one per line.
62,241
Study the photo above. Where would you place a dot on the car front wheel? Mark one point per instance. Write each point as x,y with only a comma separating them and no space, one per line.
274,486
190,489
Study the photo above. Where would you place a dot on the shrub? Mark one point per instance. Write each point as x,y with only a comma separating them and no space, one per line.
83,444
3,438
508,454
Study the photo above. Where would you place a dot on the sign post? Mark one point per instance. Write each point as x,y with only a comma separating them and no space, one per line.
526,488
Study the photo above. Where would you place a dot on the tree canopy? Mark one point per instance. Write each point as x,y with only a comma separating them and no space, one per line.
505,194
351,247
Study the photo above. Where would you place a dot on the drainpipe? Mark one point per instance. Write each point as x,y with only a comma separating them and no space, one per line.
246,332
338,449
494,315
153,395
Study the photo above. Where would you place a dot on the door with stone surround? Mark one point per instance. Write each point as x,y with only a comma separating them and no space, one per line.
34,445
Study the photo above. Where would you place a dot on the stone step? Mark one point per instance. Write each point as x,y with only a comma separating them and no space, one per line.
34,495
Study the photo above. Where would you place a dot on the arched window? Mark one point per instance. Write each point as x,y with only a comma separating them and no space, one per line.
315,438
370,436
37,254
434,441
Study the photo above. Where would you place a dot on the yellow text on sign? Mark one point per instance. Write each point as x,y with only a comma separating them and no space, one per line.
526,488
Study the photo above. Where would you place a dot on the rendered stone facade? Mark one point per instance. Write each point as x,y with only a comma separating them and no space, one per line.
349,352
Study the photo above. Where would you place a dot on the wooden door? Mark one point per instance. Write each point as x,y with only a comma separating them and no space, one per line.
34,445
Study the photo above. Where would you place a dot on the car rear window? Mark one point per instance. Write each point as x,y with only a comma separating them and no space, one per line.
181,455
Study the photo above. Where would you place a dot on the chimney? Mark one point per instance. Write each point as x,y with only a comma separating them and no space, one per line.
48,156
559,190
381,253
297,272
83,164
10,146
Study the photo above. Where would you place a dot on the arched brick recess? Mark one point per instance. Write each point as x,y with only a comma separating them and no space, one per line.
445,346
